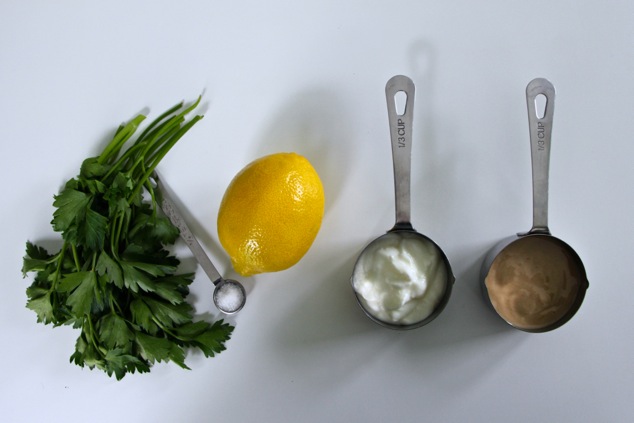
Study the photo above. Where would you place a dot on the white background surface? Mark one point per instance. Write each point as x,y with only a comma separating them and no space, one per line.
309,77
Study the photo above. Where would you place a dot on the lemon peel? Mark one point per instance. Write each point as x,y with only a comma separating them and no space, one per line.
271,213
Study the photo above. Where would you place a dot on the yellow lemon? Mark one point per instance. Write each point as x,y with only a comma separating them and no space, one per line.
271,213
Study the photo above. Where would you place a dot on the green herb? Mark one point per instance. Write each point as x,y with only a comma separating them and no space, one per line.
114,278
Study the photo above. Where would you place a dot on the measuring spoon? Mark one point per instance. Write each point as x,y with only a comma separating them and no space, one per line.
229,295
392,300
535,281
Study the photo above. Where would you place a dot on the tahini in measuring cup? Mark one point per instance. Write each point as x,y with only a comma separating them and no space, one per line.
402,280
535,281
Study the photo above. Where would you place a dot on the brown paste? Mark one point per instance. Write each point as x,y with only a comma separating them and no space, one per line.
533,282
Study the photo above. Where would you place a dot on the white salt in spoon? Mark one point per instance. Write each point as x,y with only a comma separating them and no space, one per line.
229,295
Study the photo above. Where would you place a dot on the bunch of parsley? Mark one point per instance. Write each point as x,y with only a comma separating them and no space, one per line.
113,277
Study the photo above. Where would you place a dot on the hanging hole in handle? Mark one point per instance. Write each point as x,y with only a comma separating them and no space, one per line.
541,103
400,102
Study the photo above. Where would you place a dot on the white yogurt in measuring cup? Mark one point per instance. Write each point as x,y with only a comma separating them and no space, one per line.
400,278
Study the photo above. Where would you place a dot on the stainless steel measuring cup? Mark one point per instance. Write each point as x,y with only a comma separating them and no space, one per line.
401,139
535,281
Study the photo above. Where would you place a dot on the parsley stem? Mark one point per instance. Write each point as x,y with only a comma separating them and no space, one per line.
157,121
166,129
91,336
119,139
117,234
165,133
166,330
113,304
59,266
75,257
160,154
113,249
116,167
150,189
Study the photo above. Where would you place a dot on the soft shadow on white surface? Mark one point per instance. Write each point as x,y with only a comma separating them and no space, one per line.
314,123
327,318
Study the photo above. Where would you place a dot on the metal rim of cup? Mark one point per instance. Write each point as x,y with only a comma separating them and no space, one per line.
439,307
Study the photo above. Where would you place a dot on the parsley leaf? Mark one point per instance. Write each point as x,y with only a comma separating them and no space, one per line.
160,349
92,230
108,267
142,316
118,362
40,303
71,206
82,285
169,314
35,260
114,331
91,168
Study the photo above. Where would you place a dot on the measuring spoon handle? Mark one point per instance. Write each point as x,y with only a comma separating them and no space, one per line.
172,213
540,127
401,137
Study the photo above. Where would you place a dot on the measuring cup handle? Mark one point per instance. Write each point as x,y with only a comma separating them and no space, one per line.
401,137
540,127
